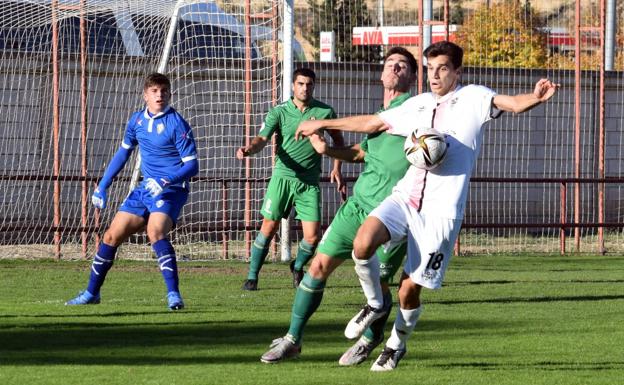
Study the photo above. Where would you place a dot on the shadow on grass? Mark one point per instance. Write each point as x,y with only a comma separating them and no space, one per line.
578,298
176,343
549,365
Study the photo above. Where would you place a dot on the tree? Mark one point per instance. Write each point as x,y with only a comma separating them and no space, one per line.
506,34
341,16
457,12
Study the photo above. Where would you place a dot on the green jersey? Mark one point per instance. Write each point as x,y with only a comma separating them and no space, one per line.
296,159
384,165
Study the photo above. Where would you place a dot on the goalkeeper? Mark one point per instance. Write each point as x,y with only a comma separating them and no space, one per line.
385,164
295,178
169,160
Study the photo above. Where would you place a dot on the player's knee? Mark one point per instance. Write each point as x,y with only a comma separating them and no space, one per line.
155,234
112,239
320,268
362,247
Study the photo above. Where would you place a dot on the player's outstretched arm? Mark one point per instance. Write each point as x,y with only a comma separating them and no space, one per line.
544,90
351,154
116,164
256,145
366,124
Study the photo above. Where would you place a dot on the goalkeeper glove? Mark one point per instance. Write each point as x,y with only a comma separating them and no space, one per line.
99,198
155,186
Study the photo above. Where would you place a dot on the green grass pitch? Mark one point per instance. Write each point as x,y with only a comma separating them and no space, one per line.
499,319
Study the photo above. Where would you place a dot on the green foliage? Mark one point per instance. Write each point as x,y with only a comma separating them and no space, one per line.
457,13
500,319
341,16
505,34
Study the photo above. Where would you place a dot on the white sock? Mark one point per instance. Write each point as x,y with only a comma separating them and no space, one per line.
367,271
403,327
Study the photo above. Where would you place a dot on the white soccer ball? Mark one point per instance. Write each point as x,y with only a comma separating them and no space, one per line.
425,148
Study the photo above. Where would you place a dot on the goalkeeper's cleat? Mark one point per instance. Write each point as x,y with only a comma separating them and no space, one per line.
359,352
250,284
282,348
363,319
388,359
84,298
174,301
296,274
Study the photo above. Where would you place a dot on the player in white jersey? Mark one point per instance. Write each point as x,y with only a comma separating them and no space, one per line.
168,161
426,207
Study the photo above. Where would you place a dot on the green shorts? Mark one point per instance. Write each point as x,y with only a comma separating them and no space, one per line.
282,194
337,241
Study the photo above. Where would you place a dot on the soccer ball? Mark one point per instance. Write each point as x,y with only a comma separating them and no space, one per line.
425,148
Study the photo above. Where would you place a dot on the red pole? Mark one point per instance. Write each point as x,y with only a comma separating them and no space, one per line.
83,128
601,133
446,19
224,233
55,130
562,217
274,94
577,123
247,123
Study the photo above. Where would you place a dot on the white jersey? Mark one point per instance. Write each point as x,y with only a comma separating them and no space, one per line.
459,115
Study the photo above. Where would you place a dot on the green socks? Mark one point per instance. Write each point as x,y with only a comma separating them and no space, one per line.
305,252
259,251
307,300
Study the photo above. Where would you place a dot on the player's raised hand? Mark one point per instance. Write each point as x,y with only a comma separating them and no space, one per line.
155,186
307,128
318,142
544,89
98,199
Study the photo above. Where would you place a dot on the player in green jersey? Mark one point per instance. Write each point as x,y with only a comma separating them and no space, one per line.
385,164
295,178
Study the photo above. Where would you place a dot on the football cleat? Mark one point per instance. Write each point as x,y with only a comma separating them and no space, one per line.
388,359
362,320
296,274
359,352
250,284
84,298
282,348
174,301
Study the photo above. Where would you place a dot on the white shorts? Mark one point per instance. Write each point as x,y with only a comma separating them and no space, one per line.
430,239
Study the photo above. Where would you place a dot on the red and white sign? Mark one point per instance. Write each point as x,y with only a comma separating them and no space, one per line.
407,35
558,38
328,46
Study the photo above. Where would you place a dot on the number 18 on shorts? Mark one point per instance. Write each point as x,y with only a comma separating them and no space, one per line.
430,239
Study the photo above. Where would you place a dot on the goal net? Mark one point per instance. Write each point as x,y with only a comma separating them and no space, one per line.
72,74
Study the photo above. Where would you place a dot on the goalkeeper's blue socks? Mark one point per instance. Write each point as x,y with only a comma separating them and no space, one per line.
167,263
102,262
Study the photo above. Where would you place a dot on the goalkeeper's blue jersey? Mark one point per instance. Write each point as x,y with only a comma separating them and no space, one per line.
165,142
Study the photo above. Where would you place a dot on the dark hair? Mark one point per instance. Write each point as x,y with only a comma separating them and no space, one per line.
452,50
156,79
305,72
402,51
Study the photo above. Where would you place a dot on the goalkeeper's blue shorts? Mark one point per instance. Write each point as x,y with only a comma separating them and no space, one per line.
140,203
